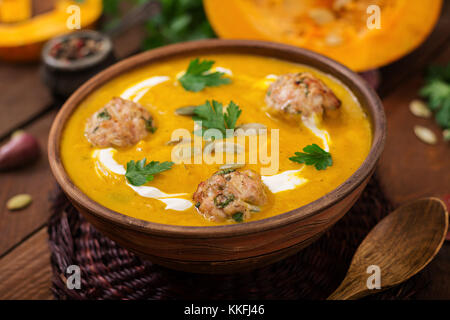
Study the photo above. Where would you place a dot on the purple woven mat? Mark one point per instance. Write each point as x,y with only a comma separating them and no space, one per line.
108,271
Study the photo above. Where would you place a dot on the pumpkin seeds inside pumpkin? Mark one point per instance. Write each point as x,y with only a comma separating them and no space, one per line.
19,202
419,109
186,111
425,135
321,16
340,4
333,39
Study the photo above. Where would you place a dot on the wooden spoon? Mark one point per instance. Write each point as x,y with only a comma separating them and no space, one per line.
401,245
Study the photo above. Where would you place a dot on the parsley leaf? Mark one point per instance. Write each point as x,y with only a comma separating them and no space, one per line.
179,20
212,116
313,155
238,217
233,113
104,115
149,125
221,201
138,173
197,77
437,91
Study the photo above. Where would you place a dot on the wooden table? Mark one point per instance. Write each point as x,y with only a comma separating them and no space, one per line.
408,169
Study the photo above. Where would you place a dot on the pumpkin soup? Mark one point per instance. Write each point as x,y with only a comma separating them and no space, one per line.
216,139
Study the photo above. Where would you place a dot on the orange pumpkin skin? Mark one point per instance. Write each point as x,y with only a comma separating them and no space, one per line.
17,46
404,26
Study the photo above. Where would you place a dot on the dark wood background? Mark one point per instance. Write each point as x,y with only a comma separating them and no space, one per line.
408,169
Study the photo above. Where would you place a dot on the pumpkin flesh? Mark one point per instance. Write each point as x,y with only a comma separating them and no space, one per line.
335,28
23,40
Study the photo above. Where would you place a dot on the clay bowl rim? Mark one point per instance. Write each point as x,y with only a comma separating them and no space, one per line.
358,86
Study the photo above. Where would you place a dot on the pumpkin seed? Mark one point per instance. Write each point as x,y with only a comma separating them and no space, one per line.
253,208
232,166
186,111
227,147
419,109
321,16
340,4
249,129
178,141
425,135
446,134
333,39
19,202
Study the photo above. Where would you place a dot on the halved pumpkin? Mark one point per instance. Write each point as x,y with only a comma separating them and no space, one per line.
22,34
336,28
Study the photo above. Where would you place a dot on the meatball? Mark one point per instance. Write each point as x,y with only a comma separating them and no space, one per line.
301,93
120,123
230,194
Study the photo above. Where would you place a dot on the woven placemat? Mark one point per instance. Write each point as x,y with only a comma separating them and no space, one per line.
109,271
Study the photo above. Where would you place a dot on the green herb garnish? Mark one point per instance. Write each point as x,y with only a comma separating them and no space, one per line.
197,76
224,171
238,217
221,201
104,115
313,155
138,173
212,116
437,91
178,20
149,125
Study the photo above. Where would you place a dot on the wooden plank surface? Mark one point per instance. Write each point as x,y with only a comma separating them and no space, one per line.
35,180
26,272
23,97
438,271
409,168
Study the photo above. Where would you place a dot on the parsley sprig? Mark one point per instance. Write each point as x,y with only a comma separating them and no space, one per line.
138,173
313,155
212,116
437,91
238,217
197,76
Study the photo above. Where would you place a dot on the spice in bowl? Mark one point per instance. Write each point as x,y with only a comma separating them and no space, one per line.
70,49
72,59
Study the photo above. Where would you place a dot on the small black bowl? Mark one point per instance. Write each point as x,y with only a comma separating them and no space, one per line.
64,76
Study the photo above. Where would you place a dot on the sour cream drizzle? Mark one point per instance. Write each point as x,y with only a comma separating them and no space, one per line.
287,180
311,124
141,88
105,158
